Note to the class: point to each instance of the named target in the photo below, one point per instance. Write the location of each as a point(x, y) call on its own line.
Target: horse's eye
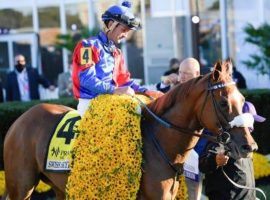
point(224, 104)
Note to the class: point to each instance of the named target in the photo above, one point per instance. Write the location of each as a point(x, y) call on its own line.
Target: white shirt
point(191, 166)
point(23, 82)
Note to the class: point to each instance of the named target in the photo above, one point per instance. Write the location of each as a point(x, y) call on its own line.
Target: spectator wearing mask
point(22, 82)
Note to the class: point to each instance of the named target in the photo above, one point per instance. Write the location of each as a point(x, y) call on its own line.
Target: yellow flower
point(108, 151)
point(182, 193)
point(261, 166)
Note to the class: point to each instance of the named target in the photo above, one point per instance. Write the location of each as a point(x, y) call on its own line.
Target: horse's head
point(222, 104)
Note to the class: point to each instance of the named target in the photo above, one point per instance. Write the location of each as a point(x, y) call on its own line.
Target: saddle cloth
point(59, 151)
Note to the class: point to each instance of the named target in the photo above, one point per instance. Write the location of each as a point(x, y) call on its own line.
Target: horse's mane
point(177, 93)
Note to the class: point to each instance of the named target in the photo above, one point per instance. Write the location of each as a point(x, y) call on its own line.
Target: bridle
point(223, 138)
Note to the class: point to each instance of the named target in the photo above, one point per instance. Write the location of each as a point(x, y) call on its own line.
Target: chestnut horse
point(210, 101)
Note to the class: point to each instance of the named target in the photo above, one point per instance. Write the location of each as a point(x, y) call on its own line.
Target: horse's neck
point(175, 144)
point(182, 116)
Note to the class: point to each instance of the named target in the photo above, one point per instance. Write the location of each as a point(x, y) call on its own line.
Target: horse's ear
point(229, 67)
point(217, 71)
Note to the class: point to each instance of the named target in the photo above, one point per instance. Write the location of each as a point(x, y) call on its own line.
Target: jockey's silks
point(99, 67)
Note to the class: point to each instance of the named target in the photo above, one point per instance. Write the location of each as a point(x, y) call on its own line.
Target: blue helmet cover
point(123, 15)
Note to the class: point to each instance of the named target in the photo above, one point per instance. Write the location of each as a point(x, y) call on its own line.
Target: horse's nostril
point(247, 148)
point(254, 146)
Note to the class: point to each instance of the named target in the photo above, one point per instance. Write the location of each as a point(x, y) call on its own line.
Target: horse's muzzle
point(246, 149)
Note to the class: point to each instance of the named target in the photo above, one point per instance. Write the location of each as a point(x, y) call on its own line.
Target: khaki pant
point(194, 188)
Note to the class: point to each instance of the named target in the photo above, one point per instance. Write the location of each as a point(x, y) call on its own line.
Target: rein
point(242, 186)
point(177, 128)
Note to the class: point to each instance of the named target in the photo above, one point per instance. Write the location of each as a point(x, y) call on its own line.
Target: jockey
point(98, 64)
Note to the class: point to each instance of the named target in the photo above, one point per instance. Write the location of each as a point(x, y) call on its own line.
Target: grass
point(266, 189)
point(263, 184)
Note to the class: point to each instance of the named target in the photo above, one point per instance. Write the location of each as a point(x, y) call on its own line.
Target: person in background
point(1, 92)
point(238, 78)
point(64, 83)
point(98, 64)
point(173, 67)
point(170, 77)
point(22, 82)
point(188, 69)
point(217, 186)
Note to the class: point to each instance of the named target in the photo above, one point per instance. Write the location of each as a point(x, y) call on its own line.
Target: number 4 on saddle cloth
point(59, 153)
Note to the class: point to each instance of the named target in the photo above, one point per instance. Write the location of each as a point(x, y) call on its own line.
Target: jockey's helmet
point(123, 15)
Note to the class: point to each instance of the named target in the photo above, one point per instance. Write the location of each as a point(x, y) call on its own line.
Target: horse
point(171, 126)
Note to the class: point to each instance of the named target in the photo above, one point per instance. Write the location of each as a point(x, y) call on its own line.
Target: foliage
point(215, 5)
point(69, 40)
point(260, 38)
point(13, 19)
point(49, 17)
point(10, 111)
point(261, 166)
point(265, 188)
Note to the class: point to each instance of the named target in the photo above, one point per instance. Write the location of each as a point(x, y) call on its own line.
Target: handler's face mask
point(20, 66)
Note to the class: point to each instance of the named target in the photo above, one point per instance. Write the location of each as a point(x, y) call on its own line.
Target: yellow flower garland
point(2, 182)
point(182, 193)
point(261, 166)
point(108, 151)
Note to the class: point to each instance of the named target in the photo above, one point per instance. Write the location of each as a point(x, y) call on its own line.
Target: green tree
point(68, 41)
point(260, 37)
point(10, 18)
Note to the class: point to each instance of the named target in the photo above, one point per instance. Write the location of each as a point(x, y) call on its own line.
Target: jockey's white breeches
point(83, 105)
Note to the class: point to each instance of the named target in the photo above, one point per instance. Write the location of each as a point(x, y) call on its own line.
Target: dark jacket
point(164, 90)
point(170, 71)
point(239, 79)
point(217, 187)
point(12, 87)
point(1, 92)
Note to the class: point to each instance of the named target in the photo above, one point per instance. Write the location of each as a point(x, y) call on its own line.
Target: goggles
point(133, 23)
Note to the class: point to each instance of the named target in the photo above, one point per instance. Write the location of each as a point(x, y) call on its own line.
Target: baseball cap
point(249, 108)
